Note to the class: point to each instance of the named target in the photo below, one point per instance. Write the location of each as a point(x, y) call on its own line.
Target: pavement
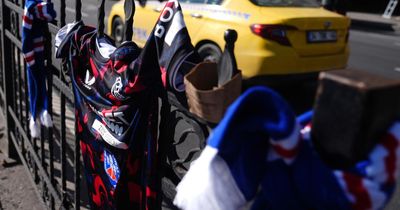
point(374, 22)
point(16, 189)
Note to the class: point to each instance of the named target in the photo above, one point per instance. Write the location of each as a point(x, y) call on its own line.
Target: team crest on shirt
point(117, 88)
point(111, 168)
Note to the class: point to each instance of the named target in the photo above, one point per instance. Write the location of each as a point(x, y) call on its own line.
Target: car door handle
point(157, 9)
point(196, 15)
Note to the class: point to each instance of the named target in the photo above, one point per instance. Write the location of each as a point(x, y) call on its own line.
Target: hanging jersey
point(175, 51)
point(115, 93)
point(114, 102)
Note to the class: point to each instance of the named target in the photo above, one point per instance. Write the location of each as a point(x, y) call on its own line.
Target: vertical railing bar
point(25, 82)
point(50, 110)
point(62, 13)
point(14, 51)
point(26, 99)
point(14, 94)
point(18, 109)
point(78, 10)
point(63, 119)
point(20, 73)
point(62, 107)
point(63, 142)
point(42, 159)
point(7, 85)
point(63, 148)
point(21, 94)
point(78, 17)
point(15, 79)
point(100, 19)
point(49, 77)
point(21, 98)
point(77, 172)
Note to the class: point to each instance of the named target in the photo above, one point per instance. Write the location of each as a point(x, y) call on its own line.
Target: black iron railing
point(53, 160)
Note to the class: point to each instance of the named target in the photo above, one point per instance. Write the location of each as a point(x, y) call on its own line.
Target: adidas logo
point(89, 81)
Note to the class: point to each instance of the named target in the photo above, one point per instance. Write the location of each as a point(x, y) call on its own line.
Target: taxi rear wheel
point(209, 52)
point(117, 30)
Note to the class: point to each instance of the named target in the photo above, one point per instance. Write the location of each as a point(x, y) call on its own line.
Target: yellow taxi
point(275, 37)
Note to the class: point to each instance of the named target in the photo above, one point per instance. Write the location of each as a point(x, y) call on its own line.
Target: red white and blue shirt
point(116, 105)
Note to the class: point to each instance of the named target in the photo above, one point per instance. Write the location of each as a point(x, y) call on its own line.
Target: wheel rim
point(208, 53)
point(211, 58)
point(118, 32)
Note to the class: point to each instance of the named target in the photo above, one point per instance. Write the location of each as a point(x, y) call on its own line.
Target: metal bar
point(2, 96)
point(43, 158)
point(62, 13)
point(50, 110)
point(63, 145)
point(26, 96)
point(14, 7)
point(19, 89)
point(36, 159)
point(53, 28)
point(78, 8)
point(13, 39)
point(64, 89)
point(9, 150)
point(77, 173)
point(100, 19)
point(13, 79)
point(63, 157)
point(129, 7)
point(42, 150)
point(78, 17)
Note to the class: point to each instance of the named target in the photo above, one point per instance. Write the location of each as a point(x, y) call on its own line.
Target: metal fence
point(51, 158)
point(53, 161)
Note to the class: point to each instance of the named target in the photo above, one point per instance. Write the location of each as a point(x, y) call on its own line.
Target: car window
point(286, 3)
point(214, 1)
point(195, 1)
point(199, 1)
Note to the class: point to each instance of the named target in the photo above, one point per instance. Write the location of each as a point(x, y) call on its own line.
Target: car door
point(145, 19)
point(193, 11)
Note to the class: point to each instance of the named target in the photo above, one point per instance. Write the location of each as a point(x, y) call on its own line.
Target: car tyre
point(209, 52)
point(117, 30)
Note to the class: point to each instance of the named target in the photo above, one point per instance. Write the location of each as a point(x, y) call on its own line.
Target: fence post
point(6, 145)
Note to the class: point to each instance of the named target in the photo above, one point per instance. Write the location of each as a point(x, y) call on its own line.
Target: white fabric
point(45, 119)
point(34, 128)
point(177, 24)
point(62, 33)
point(105, 48)
point(107, 136)
point(378, 198)
point(209, 185)
point(377, 170)
point(291, 141)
